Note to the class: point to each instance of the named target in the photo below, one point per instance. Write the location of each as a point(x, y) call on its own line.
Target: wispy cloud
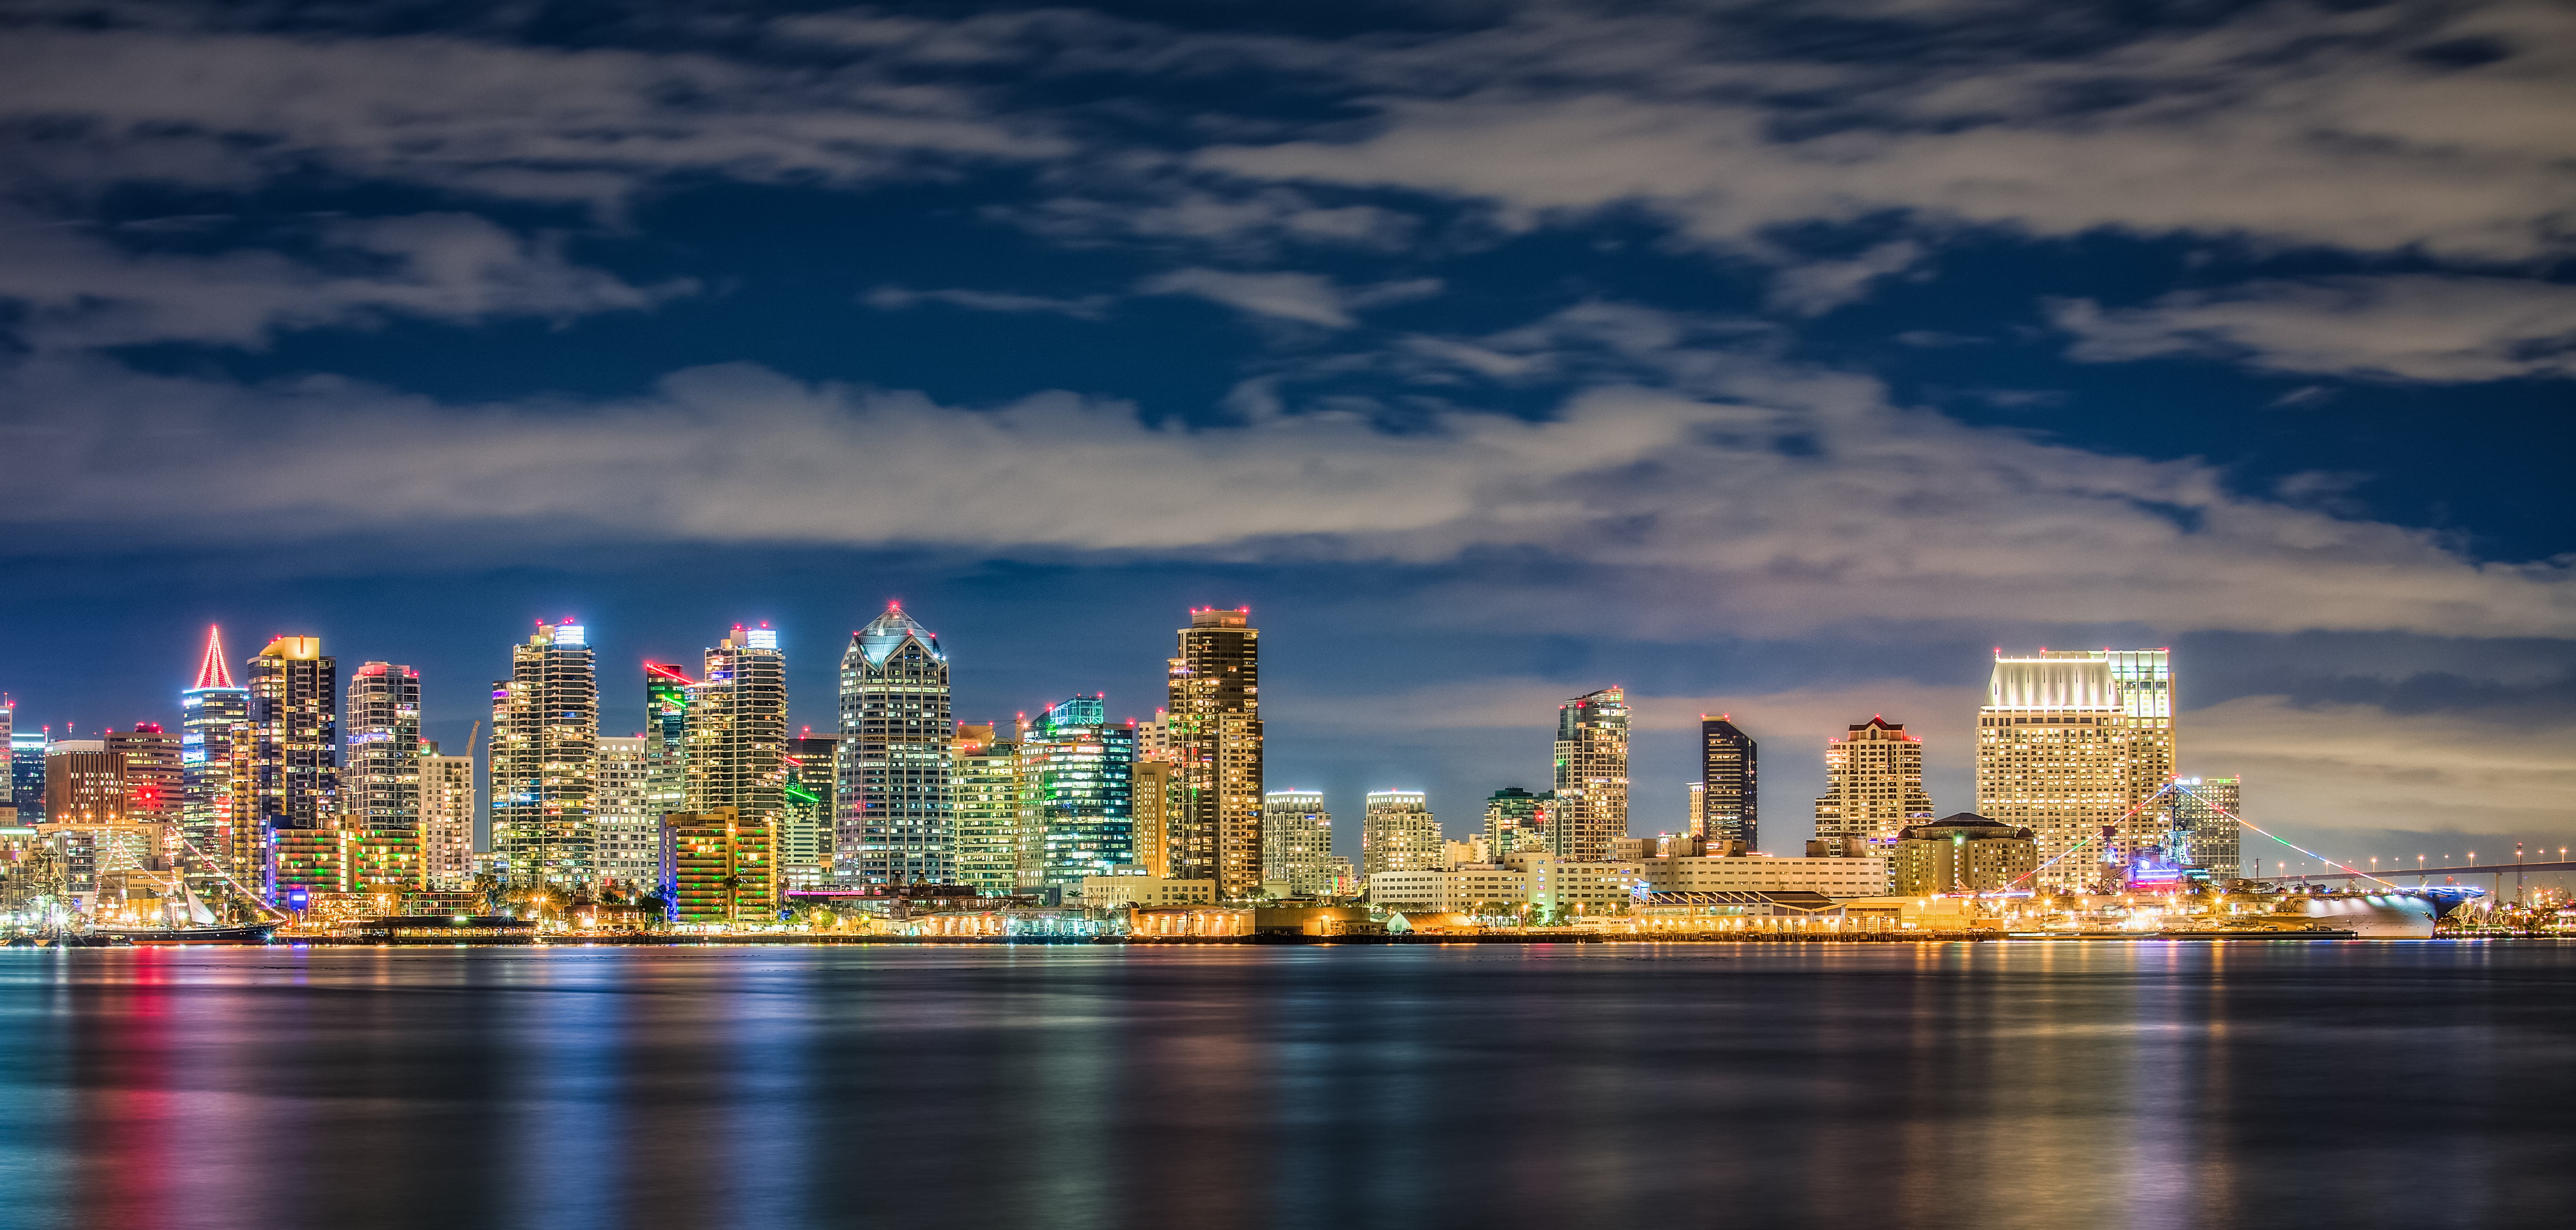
point(897, 298)
point(2425, 327)
point(1303, 297)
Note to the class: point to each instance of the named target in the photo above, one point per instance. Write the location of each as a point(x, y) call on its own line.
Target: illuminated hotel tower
point(1727, 805)
point(897, 824)
point(214, 716)
point(545, 759)
point(1591, 807)
point(1214, 728)
point(666, 729)
point(2053, 757)
point(380, 774)
point(735, 736)
point(1873, 787)
point(294, 777)
point(1399, 833)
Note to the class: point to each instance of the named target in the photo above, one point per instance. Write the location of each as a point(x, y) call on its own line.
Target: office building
point(718, 869)
point(1399, 833)
point(84, 784)
point(214, 719)
point(1214, 722)
point(1297, 844)
point(1962, 853)
point(1727, 806)
point(1873, 787)
point(1077, 792)
point(27, 772)
point(294, 734)
point(666, 729)
point(380, 773)
point(446, 819)
point(2146, 684)
point(805, 825)
point(626, 831)
point(156, 787)
point(2205, 831)
point(8, 774)
point(2053, 757)
point(1591, 776)
point(545, 760)
point(1516, 820)
point(986, 795)
point(897, 822)
point(1145, 892)
point(1160, 815)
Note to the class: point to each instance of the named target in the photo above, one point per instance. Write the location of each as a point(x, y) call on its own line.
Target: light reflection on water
point(1996, 1085)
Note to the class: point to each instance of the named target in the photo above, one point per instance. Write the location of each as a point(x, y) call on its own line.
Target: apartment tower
point(380, 772)
point(1873, 788)
point(735, 735)
point(1591, 776)
point(446, 819)
point(292, 778)
point(1399, 833)
point(987, 802)
point(1297, 843)
point(545, 760)
point(1213, 723)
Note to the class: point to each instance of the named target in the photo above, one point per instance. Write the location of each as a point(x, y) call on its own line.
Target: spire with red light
point(212, 673)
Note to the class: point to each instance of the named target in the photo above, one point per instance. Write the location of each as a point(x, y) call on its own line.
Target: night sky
point(1780, 359)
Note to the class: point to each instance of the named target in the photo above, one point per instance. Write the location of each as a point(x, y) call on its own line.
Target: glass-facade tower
point(1729, 800)
point(214, 716)
point(1077, 792)
point(896, 822)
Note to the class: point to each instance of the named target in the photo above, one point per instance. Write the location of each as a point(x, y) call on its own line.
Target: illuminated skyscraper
point(1077, 791)
point(1297, 843)
point(666, 729)
point(1214, 728)
point(446, 819)
point(1591, 776)
point(736, 732)
point(897, 823)
point(1729, 801)
point(1873, 786)
point(1399, 833)
point(214, 717)
point(27, 772)
point(294, 761)
point(1159, 813)
point(2053, 757)
point(380, 775)
point(805, 826)
point(628, 831)
point(987, 800)
point(545, 760)
point(8, 776)
point(155, 784)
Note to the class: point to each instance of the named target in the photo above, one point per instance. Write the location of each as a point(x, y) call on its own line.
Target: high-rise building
point(2053, 757)
point(1399, 833)
point(1728, 805)
point(446, 819)
point(666, 728)
point(8, 777)
point(380, 774)
point(805, 825)
point(545, 760)
point(1297, 843)
point(1159, 813)
point(1591, 776)
point(2147, 708)
point(2205, 832)
point(27, 772)
point(214, 717)
point(84, 784)
point(1214, 728)
point(155, 779)
point(897, 823)
point(1077, 792)
point(987, 800)
point(736, 736)
point(1873, 787)
point(627, 832)
point(1516, 820)
point(295, 733)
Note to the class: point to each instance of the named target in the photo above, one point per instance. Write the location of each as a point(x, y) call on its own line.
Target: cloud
point(74, 290)
point(1815, 289)
point(2428, 327)
point(897, 298)
point(2285, 124)
point(2357, 767)
point(1303, 297)
point(1772, 497)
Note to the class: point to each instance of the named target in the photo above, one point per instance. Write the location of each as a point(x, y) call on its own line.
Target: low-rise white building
point(1763, 873)
point(1121, 892)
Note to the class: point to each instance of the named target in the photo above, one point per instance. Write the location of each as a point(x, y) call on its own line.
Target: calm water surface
point(1991, 1085)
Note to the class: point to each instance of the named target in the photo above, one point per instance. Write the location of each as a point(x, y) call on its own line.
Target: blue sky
point(1776, 359)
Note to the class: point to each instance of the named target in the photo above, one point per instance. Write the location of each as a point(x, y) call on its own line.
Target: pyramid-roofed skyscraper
point(897, 823)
